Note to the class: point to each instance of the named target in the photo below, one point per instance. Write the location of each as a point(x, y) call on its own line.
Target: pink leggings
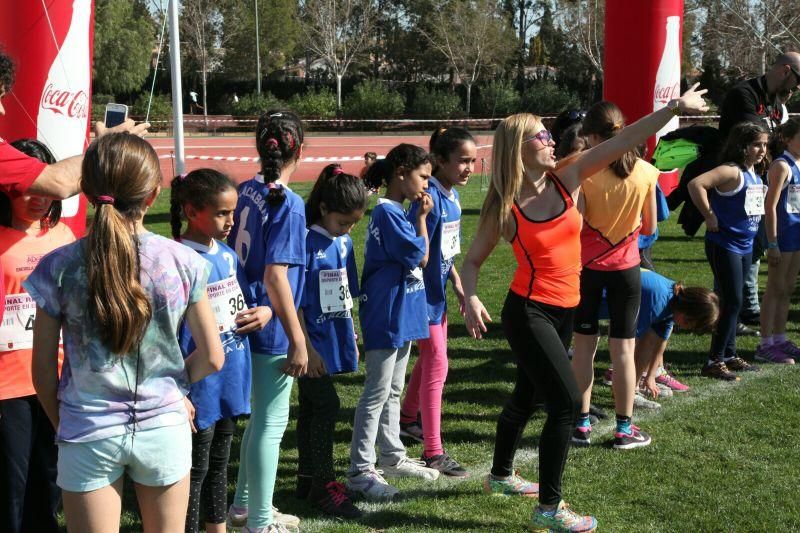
point(424, 392)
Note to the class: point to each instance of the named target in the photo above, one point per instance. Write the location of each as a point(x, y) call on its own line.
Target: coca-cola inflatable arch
point(50, 42)
point(642, 61)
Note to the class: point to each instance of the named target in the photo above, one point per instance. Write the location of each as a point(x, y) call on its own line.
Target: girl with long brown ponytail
point(119, 296)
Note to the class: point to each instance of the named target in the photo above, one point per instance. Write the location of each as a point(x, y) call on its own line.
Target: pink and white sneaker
point(668, 380)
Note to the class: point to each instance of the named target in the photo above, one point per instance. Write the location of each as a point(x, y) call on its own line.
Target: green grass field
point(725, 456)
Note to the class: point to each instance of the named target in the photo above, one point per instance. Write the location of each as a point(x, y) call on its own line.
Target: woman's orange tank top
point(548, 254)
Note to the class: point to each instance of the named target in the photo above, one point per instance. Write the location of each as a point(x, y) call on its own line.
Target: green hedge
point(545, 97)
point(497, 98)
point(160, 109)
point(314, 104)
point(255, 104)
point(436, 103)
point(374, 99)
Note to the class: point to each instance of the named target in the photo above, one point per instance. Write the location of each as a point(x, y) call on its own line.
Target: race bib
point(451, 239)
point(754, 200)
point(793, 199)
point(334, 291)
point(227, 301)
point(16, 330)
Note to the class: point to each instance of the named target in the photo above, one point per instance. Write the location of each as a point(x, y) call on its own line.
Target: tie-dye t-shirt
point(97, 390)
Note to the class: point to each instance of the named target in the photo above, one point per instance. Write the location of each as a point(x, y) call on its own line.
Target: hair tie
point(272, 185)
point(337, 171)
point(274, 115)
point(617, 126)
point(182, 177)
point(104, 199)
point(272, 143)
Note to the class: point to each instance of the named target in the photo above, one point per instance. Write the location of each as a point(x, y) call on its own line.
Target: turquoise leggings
point(258, 459)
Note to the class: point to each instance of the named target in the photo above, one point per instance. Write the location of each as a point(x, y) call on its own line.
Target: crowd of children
point(165, 343)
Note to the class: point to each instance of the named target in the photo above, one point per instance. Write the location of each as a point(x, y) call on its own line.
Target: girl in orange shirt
point(29, 229)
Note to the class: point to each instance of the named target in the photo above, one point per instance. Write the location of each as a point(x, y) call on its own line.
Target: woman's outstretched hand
point(476, 317)
point(692, 100)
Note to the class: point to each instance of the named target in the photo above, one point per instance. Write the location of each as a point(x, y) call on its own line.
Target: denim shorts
point(154, 457)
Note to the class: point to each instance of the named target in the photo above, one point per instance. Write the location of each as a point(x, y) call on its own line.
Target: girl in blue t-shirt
point(337, 202)
point(782, 212)
point(393, 313)
point(269, 236)
point(731, 199)
point(206, 199)
point(455, 153)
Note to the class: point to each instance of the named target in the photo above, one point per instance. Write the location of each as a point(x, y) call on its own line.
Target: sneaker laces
point(517, 481)
point(567, 516)
point(336, 492)
point(410, 461)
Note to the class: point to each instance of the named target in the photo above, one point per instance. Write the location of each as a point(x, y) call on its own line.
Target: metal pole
point(258, 53)
point(177, 90)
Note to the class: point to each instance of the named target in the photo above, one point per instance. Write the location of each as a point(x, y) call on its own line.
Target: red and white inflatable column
point(51, 44)
point(642, 60)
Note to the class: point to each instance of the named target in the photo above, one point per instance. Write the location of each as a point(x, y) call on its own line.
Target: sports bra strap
point(563, 190)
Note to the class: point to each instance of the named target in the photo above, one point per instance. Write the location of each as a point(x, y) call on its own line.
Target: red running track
point(317, 152)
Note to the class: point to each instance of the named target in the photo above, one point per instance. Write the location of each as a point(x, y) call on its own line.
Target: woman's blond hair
point(507, 169)
point(119, 172)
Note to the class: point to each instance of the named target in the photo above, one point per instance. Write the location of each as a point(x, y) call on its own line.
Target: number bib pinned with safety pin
point(793, 199)
point(451, 239)
point(334, 291)
point(227, 301)
point(16, 329)
point(754, 200)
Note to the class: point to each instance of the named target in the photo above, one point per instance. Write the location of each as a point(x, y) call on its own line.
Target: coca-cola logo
point(665, 93)
point(71, 104)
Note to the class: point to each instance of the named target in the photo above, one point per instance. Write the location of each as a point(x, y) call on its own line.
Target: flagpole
point(177, 90)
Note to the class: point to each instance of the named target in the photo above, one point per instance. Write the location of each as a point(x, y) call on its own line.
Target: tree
point(201, 28)
point(279, 34)
point(336, 31)
point(470, 34)
point(124, 38)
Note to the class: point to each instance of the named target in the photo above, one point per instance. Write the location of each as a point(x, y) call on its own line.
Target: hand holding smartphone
point(116, 114)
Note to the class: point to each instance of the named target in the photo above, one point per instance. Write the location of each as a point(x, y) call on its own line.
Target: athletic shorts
point(623, 292)
point(154, 457)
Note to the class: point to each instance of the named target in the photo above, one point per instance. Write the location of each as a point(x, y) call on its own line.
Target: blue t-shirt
point(444, 233)
point(654, 311)
point(226, 393)
point(788, 209)
point(393, 309)
point(737, 229)
point(269, 235)
point(331, 288)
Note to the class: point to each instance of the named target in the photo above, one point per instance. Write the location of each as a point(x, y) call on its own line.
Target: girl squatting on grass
point(531, 204)
point(269, 237)
point(782, 212)
point(29, 229)
point(619, 203)
point(207, 199)
point(119, 296)
point(393, 313)
point(731, 199)
point(455, 152)
point(336, 203)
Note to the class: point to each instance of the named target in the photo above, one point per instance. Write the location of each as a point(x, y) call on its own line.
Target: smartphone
point(116, 114)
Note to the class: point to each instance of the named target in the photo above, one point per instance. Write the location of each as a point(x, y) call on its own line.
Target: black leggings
point(539, 335)
point(729, 270)
point(316, 421)
point(208, 487)
point(623, 292)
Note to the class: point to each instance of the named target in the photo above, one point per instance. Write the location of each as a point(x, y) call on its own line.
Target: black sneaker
point(412, 430)
point(635, 439)
point(753, 319)
point(303, 487)
point(582, 436)
point(744, 331)
point(718, 370)
point(737, 364)
point(445, 464)
point(596, 411)
point(332, 500)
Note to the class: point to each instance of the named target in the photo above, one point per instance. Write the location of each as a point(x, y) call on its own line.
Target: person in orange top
point(531, 204)
point(29, 229)
point(619, 203)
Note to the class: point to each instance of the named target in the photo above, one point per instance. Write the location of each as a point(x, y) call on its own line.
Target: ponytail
point(605, 120)
point(698, 305)
point(279, 138)
point(119, 172)
point(340, 192)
